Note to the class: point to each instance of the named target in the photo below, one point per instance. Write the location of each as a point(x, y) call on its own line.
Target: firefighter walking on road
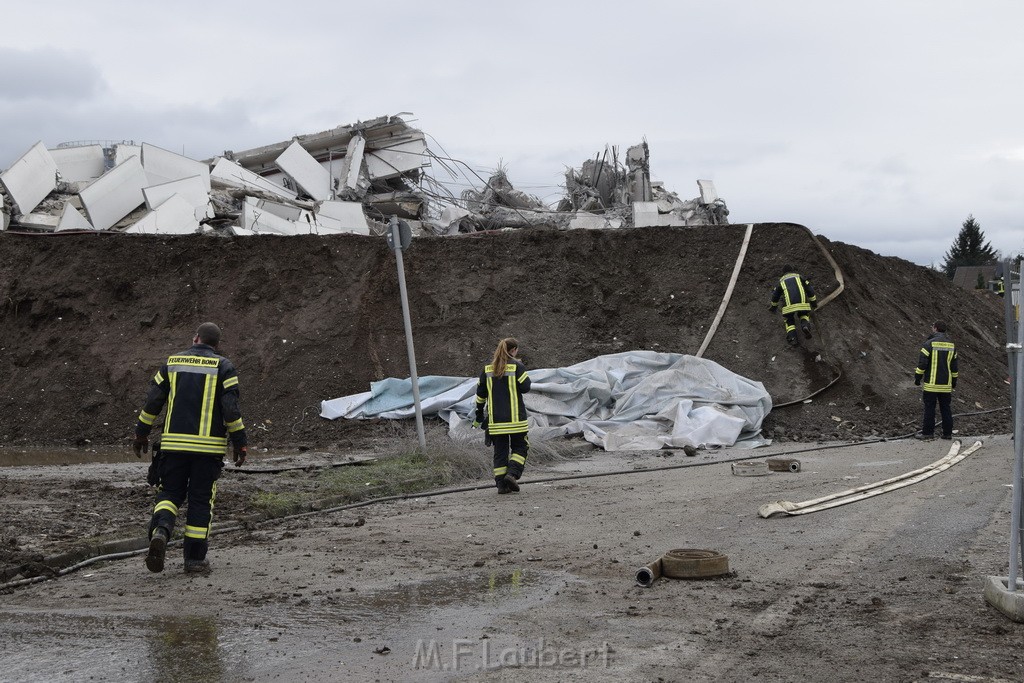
point(937, 367)
point(501, 388)
point(200, 389)
point(797, 297)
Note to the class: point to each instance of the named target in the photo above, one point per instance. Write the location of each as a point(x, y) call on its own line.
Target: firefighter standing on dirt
point(798, 300)
point(501, 387)
point(200, 389)
point(937, 365)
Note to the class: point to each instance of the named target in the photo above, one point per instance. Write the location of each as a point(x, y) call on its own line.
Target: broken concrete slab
point(175, 216)
point(647, 215)
point(30, 178)
point(163, 166)
point(257, 218)
point(708, 193)
point(80, 164)
point(589, 221)
point(301, 167)
point(39, 221)
point(72, 219)
point(191, 189)
point(396, 157)
point(227, 173)
point(123, 151)
point(115, 194)
point(349, 182)
point(342, 217)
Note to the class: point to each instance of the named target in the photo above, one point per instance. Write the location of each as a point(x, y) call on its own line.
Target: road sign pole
point(396, 245)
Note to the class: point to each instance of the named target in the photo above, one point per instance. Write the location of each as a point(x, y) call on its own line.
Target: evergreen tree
point(968, 249)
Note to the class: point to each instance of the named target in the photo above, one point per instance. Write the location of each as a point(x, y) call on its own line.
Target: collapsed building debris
point(352, 179)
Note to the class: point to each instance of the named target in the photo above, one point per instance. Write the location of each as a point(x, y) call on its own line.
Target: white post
point(408, 335)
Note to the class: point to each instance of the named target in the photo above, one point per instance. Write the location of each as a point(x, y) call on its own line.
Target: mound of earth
point(87, 320)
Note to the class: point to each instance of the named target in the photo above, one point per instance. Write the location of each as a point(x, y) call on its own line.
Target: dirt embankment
point(86, 320)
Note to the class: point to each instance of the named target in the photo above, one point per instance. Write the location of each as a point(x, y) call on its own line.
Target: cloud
point(49, 76)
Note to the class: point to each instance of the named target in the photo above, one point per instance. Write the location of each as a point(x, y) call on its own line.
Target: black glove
point(917, 380)
point(140, 445)
point(771, 308)
point(814, 305)
point(954, 382)
point(240, 453)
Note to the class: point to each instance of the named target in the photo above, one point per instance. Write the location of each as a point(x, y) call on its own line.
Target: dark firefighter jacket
point(200, 389)
point(504, 398)
point(937, 364)
point(796, 294)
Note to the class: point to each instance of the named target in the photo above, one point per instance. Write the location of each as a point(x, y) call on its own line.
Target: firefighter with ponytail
point(500, 389)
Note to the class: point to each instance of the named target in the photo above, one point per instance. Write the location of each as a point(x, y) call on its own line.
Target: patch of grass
point(278, 504)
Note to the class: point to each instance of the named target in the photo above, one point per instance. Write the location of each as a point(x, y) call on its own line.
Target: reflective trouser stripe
point(166, 505)
point(196, 531)
point(515, 457)
point(500, 471)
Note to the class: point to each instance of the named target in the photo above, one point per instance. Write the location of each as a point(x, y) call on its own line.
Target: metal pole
point(1017, 350)
point(1008, 317)
point(408, 335)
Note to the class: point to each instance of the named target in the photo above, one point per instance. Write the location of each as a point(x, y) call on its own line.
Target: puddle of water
point(332, 639)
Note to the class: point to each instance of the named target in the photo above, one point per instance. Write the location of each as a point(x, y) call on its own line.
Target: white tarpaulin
point(635, 400)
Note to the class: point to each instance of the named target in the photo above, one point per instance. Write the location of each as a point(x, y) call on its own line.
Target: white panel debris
point(259, 220)
point(163, 166)
point(122, 152)
point(191, 189)
point(115, 194)
point(79, 164)
point(175, 216)
point(394, 159)
point(306, 171)
point(30, 178)
point(72, 219)
point(227, 172)
point(342, 217)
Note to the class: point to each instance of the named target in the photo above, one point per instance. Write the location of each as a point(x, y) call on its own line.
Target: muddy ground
point(539, 585)
point(86, 320)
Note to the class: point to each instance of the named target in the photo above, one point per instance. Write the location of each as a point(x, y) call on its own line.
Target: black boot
point(157, 550)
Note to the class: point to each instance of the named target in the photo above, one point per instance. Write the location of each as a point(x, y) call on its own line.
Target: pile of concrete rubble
point(350, 179)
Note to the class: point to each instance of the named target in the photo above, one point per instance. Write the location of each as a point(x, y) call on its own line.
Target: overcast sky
point(879, 123)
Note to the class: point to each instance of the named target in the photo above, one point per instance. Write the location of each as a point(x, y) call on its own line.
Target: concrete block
point(286, 211)
point(390, 160)
point(163, 166)
point(175, 216)
point(1010, 603)
point(122, 152)
point(306, 171)
point(115, 194)
point(342, 217)
point(30, 178)
point(72, 219)
point(227, 172)
point(79, 164)
point(191, 189)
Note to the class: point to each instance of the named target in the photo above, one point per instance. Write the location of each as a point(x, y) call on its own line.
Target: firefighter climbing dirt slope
point(798, 300)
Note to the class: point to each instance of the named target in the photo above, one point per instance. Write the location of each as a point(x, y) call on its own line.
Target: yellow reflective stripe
point(521, 459)
point(523, 378)
point(158, 378)
point(508, 427)
point(176, 436)
point(166, 505)
point(201, 361)
point(512, 396)
point(235, 426)
point(173, 378)
point(500, 471)
point(918, 371)
point(206, 416)
point(230, 382)
point(926, 351)
point(938, 388)
point(196, 531)
point(146, 418)
point(480, 399)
